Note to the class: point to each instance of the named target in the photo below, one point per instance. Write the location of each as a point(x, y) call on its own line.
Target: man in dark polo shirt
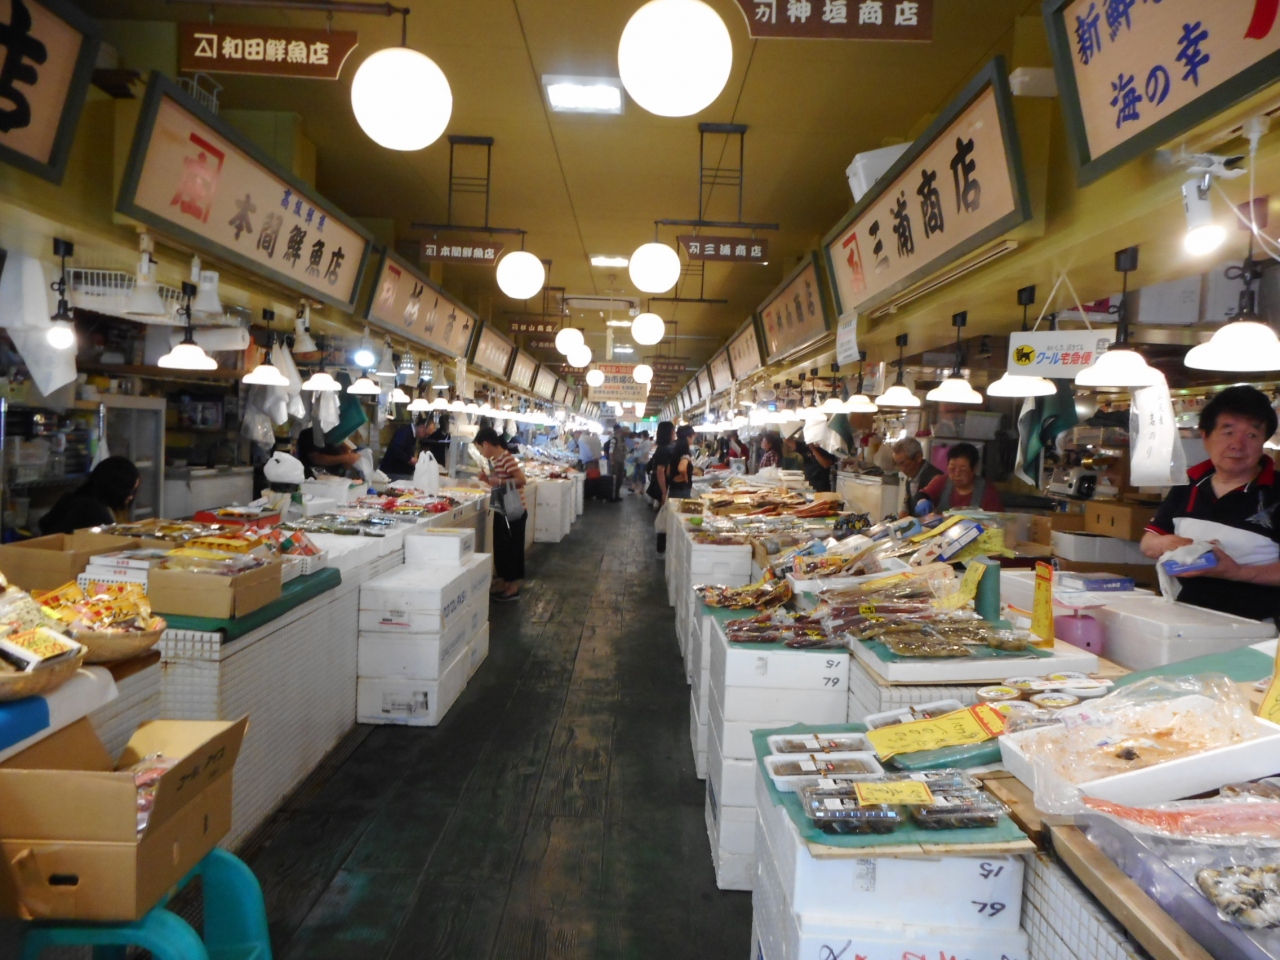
point(1231, 502)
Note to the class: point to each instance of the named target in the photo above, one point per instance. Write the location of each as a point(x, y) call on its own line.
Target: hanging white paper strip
point(1157, 456)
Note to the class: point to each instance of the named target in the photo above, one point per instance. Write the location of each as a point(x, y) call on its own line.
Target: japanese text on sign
point(733, 249)
point(407, 302)
point(1056, 354)
point(273, 51)
point(466, 253)
point(976, 724)
point(795, 316)
point(721, 374)
point(544, 385)
point(958, 188)
point(493, 352)
point(522, 327)
point(840, 19)
point(522, 371)
point(619, 384)
point(1129, 66)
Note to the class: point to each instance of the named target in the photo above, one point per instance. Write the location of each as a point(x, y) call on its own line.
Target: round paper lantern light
point(643, 373)
point(648, 329)
point(568, 339)
point(654, 268)
point(521, 275)
point(675, 56)
point(579, 356)
point(595, 378)
point(401, 99)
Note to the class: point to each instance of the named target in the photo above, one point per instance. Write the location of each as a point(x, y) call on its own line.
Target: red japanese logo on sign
point(199, 182)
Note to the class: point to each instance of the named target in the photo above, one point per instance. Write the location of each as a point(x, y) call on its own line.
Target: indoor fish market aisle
point(554, 812)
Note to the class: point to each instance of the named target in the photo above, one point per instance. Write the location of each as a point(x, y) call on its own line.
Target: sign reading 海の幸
point(960, 186)
point(795, 315)
point(840, 19)
point(49, 52)
point(405, 301)
point(492, 352)
point(1133, 76)
point(619, 385)
point(1056, 354)
point(269, 51)
point(193, 177)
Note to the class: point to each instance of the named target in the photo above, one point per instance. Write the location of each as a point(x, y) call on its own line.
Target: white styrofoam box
point(735, 833)
point(1065, 658)
point(764, 705)
point(337, 489)
point(866, 696)
point(887, 889)
point(734, 871)
point(757, 948)
point(419, 656)
point(1064, 922)
point(414, 703)
point(479, 650)
point(733, 779)
point(350, 555)
point(547, 533)
point(436, 545)
point(736, 735)
point(1171, 780)
point(822, 670)
point(422, 599)
point(314, 506)
point(1018, 588)
point(1097, 548)
point(863, 172)
point(1145, 632)
point(723, 569)
point(699, 738)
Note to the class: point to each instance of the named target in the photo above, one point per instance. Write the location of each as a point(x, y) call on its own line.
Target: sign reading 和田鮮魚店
point(958, 187)
point(619, 385)
point(1133, 76)
point(196, 179)
point(267, 51)
point(1056, 354)
point(840, 19)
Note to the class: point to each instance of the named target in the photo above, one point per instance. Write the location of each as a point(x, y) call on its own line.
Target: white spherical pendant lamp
point(579, 356)
point(595, 378)
point(648, 329)
point(654, 268)
point(401, 99)
point(643, 373)
point(568, 339)
point(521, 275)
point(675, 56)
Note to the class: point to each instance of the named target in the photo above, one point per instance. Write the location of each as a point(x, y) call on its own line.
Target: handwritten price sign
point(907, 792)
point(977, 724)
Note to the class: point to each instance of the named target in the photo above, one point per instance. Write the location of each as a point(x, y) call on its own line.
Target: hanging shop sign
point(721, 371)
point(726, 249)
point(744, 350)
point(666, 366)
point(523, 327)
point(541, 344)
point(619, 385)
point(847, 338)
point(1133, 76)
point(840, 19)
point(49, 52)
point(561, 391)
point(703, 381)
point(1056, 354)
point(261, 50)
point(544, 384)
point(522, 371)
point(467, 253)
point(492, 352)
point(960, 186)
point(405, 301)
point(192, 176)
point(795, 315)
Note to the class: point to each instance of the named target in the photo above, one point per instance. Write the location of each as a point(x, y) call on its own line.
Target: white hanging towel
point(1157, 458)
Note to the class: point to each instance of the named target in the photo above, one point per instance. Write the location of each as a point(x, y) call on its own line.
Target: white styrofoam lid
point(1156, 616)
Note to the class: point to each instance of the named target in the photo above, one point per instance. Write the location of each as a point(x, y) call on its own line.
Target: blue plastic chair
point(235, 922)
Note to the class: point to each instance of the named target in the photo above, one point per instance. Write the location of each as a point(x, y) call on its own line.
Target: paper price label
point(968, 588)
point(1042, 605)
point(927, 534)
point(1270, 707)
point(976, 724)
point(907, 792)
point(867, 609)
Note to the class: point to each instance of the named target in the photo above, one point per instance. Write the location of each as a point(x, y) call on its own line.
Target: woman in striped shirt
point(508, 535)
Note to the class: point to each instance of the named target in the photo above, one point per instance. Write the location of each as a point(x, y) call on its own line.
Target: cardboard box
point(1144, 575)
point(48, 562)
point(1128, 521)
point(69, 833)
point(1040, 528)
point(209, 595)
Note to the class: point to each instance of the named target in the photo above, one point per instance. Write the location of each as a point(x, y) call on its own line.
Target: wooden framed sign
point(795, 315)
point(492, 352)
point(744, 350)
point(522, 370)
point(544, 382)
point(721, 371)
point(405, 301)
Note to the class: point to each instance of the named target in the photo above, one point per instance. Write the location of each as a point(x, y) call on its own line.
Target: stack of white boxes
point(554, 511)
point(424, 629)
point(887, 908)
point(753, 689)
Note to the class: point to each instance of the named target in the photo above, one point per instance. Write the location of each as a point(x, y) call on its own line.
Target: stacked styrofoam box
point(755, 689)
point(810, 908)
point(579, 492)
point(1064, 921)
point(424, 629)
point(866, 696)
point(351, 556)
point(555, 511)
point(1097, 548)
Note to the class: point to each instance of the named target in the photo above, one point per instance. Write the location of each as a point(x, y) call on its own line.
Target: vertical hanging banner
point(795, 315)
point(193, 177)
point(847, 339)
point(265, 51)
point(744, 351)
point(1157, 458)
point(909, 20)
point(958, 187)
point(405, 301)
point(1132, 76)
point(49, 51)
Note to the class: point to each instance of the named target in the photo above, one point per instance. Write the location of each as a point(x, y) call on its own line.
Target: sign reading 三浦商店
point(405, 301)
point(522, 371)
point(544, 384)
point(960, 186)
point(1132, 76)
point(1056, 354)
point(487, 253)
point(744, 351)
point(268, 51)
point(795, 315)
point(193, 177)
point(492, 352)
point(840, 19)
point(49, 52)
point(721, 371)
point(619, 385)
point(847, 338)
point(726, 249)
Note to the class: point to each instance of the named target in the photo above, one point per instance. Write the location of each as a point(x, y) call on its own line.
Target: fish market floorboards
point(554, 813)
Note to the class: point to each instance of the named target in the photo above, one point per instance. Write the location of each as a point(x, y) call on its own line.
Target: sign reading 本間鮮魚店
point(744, 350)
point(619, 385)
point(262, 50)
point(726, 249)
point(522, 371)
point(492, 352)
point(721, 372)
point(1134, 75)
point(840, 19)
point(192, 177)
point(1056, 354)
point(795, 315)
point(49, 52)
point(405, 301)
point(486, 253)
point(544, 384)
point(958, 187)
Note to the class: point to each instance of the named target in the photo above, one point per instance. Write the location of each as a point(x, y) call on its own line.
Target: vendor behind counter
point(1230, 504)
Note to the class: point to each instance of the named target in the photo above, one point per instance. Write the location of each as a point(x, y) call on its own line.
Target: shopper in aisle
point(660, 462)
point(508, 529)
point(962, 487)
point(733, 449)
point(770, 451)
point(680, 485)
point(815, 462)
point(618, 460)
point(401, 457)
point(101, 499)
point(914, 473)
point(642, 452)
point(1231, 503)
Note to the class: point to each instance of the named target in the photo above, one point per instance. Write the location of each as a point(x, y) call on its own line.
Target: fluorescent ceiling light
point(568, 94)
point(602, 261)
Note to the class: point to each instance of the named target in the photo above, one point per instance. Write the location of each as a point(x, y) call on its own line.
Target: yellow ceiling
point(584, 185)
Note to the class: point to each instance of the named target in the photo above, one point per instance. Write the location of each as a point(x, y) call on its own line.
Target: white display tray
point(1065, 658)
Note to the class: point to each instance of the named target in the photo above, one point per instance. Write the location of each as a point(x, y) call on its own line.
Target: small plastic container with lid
point(843, 815)
point(959, 811)
point(818, 743)
point(792, 770)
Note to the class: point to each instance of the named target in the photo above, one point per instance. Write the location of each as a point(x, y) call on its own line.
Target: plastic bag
point(1222, 819)
point(364, 464)
point(255, 426)
point(426, 473)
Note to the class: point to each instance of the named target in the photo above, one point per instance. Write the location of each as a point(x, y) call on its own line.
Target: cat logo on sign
point(1023, 355)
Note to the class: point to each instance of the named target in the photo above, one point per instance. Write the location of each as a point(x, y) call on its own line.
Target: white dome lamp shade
point(419, 405)
point(955, 389)
point(674, 57)
point(187, 355)
point(61, 333)
point(898, 396)
point(400, 98)
point(654, 268)
point(521, 275)
point(648, 329)
point(1121, 365)
point(568, 339)
point(364, 357)
point(1010, 385)
point(595, 378)
point(1244, 343)
point(860, 402)
point(322, 382)
point(643, 373)
point(399, 396)
point(364, 387)
point(1203, 234)
point(579, 356)
point(266, 374)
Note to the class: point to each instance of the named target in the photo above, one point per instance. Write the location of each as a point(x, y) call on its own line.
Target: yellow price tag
point(974, 725)
point(867, 609)
point(968, 588)
point(1270, 708)
point(1042, 604)
point(907, 792)
point(933, 532)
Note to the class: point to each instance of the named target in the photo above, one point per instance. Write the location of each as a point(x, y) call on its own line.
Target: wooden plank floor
point(554, 813)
